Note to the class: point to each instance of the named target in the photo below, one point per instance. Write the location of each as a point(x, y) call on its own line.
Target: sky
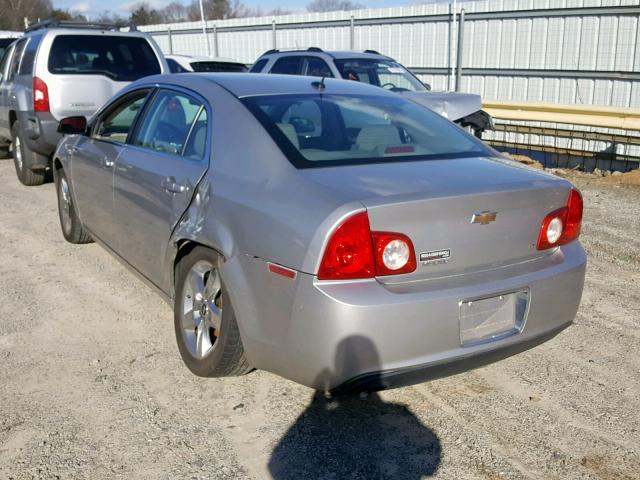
point(94, 7)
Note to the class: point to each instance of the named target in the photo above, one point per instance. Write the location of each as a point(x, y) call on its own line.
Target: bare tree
point(174, 12)
point(15, 11)
point(143, 14)
point(332, 5)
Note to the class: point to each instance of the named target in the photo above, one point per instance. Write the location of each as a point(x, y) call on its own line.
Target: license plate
point(494, 317)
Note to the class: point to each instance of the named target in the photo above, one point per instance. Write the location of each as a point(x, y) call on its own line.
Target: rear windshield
point(217, 67)
point(316, 130)
point(122, 59)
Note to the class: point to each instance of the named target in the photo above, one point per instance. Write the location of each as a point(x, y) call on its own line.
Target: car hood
point(450, 105)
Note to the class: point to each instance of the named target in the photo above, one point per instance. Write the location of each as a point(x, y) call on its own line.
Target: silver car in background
point(373, 68)
point(330, 232)
point(60, 68)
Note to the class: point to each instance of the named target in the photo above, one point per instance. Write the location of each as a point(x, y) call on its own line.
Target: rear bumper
point(40, 131)
point(363, 334)
point(383, 380)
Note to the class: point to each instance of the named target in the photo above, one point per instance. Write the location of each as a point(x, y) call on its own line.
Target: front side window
point(3, 64)
point(168, 122)
point(316, 130)
point(122, 59)
point(381, 73)
point(116, 124)
point(316, 67)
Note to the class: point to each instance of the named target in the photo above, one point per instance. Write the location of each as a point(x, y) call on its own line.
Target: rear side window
point(29, 57)
point(122, 59)
point(15, 59)
point(258, 66)
point(287, 65)
point(168, 122)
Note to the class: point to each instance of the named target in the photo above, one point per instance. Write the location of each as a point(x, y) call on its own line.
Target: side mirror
point(73, 126)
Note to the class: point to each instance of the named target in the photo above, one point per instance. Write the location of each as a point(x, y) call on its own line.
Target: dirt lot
point(92, 386)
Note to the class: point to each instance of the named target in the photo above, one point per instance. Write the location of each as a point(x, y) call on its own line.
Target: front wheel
point(206, 329)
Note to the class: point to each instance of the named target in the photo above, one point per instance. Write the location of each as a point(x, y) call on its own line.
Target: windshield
point(218, 67)
point(122, 59)
point(381, 73)
point(326, 130)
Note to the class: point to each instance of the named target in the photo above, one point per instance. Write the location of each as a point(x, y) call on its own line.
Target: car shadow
point(355, 435)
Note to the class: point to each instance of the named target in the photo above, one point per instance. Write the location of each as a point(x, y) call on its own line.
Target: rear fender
point(198, 227)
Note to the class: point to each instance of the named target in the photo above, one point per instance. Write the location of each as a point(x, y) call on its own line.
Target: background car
point(59, 69)
point(373, 68)
point(188, 63)
point(334, 214)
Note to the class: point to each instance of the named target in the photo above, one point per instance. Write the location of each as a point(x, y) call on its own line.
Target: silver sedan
point(328, 231)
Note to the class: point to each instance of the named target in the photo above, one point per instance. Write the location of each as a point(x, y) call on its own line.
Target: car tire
point(206, 329)
point(22, 159)
point(70, 223)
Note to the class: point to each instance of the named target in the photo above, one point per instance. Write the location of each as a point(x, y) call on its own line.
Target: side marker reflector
point(285, 272)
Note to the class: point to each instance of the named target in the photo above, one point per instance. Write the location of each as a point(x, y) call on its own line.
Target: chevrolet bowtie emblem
point(484, 218)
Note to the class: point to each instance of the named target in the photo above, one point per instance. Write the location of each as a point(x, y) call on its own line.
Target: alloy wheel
point(64, 197)
point(201, 312)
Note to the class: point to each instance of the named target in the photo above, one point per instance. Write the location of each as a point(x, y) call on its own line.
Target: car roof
point(85, 31)
point(203, 58)
point(336, 54)
point(343, 54)
point(256, 84)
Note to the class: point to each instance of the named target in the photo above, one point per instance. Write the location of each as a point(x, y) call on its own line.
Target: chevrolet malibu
point(328, 231)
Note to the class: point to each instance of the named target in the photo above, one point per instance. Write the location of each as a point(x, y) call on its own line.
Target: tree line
point(14, 12)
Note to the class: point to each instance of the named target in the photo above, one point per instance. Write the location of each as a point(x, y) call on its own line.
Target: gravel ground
point(92, 385)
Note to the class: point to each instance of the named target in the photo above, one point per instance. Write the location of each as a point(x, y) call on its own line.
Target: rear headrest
point(377, 135)
point(290, 133)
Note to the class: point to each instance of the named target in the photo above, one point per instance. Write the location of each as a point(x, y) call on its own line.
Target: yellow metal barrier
point(595, 116)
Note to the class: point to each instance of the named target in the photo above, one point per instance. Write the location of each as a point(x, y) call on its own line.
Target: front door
point(93, 163)
point(156, 176)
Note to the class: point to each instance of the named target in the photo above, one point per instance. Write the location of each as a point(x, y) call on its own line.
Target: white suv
point(62, 69)
point(371, 67)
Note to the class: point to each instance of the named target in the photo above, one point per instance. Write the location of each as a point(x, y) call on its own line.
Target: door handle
point(171, 186)
point(107, 162)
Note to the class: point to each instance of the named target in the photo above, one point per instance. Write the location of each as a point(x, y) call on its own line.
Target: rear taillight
point(562, 226)
point(394, 253)
point(354, 252)
point(40, 95)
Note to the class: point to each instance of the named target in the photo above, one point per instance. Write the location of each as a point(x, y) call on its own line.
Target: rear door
point(156, 176)
point(83, 71)
point(93, 162)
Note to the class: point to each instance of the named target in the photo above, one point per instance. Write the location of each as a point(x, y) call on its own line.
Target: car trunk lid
point(463, 215)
